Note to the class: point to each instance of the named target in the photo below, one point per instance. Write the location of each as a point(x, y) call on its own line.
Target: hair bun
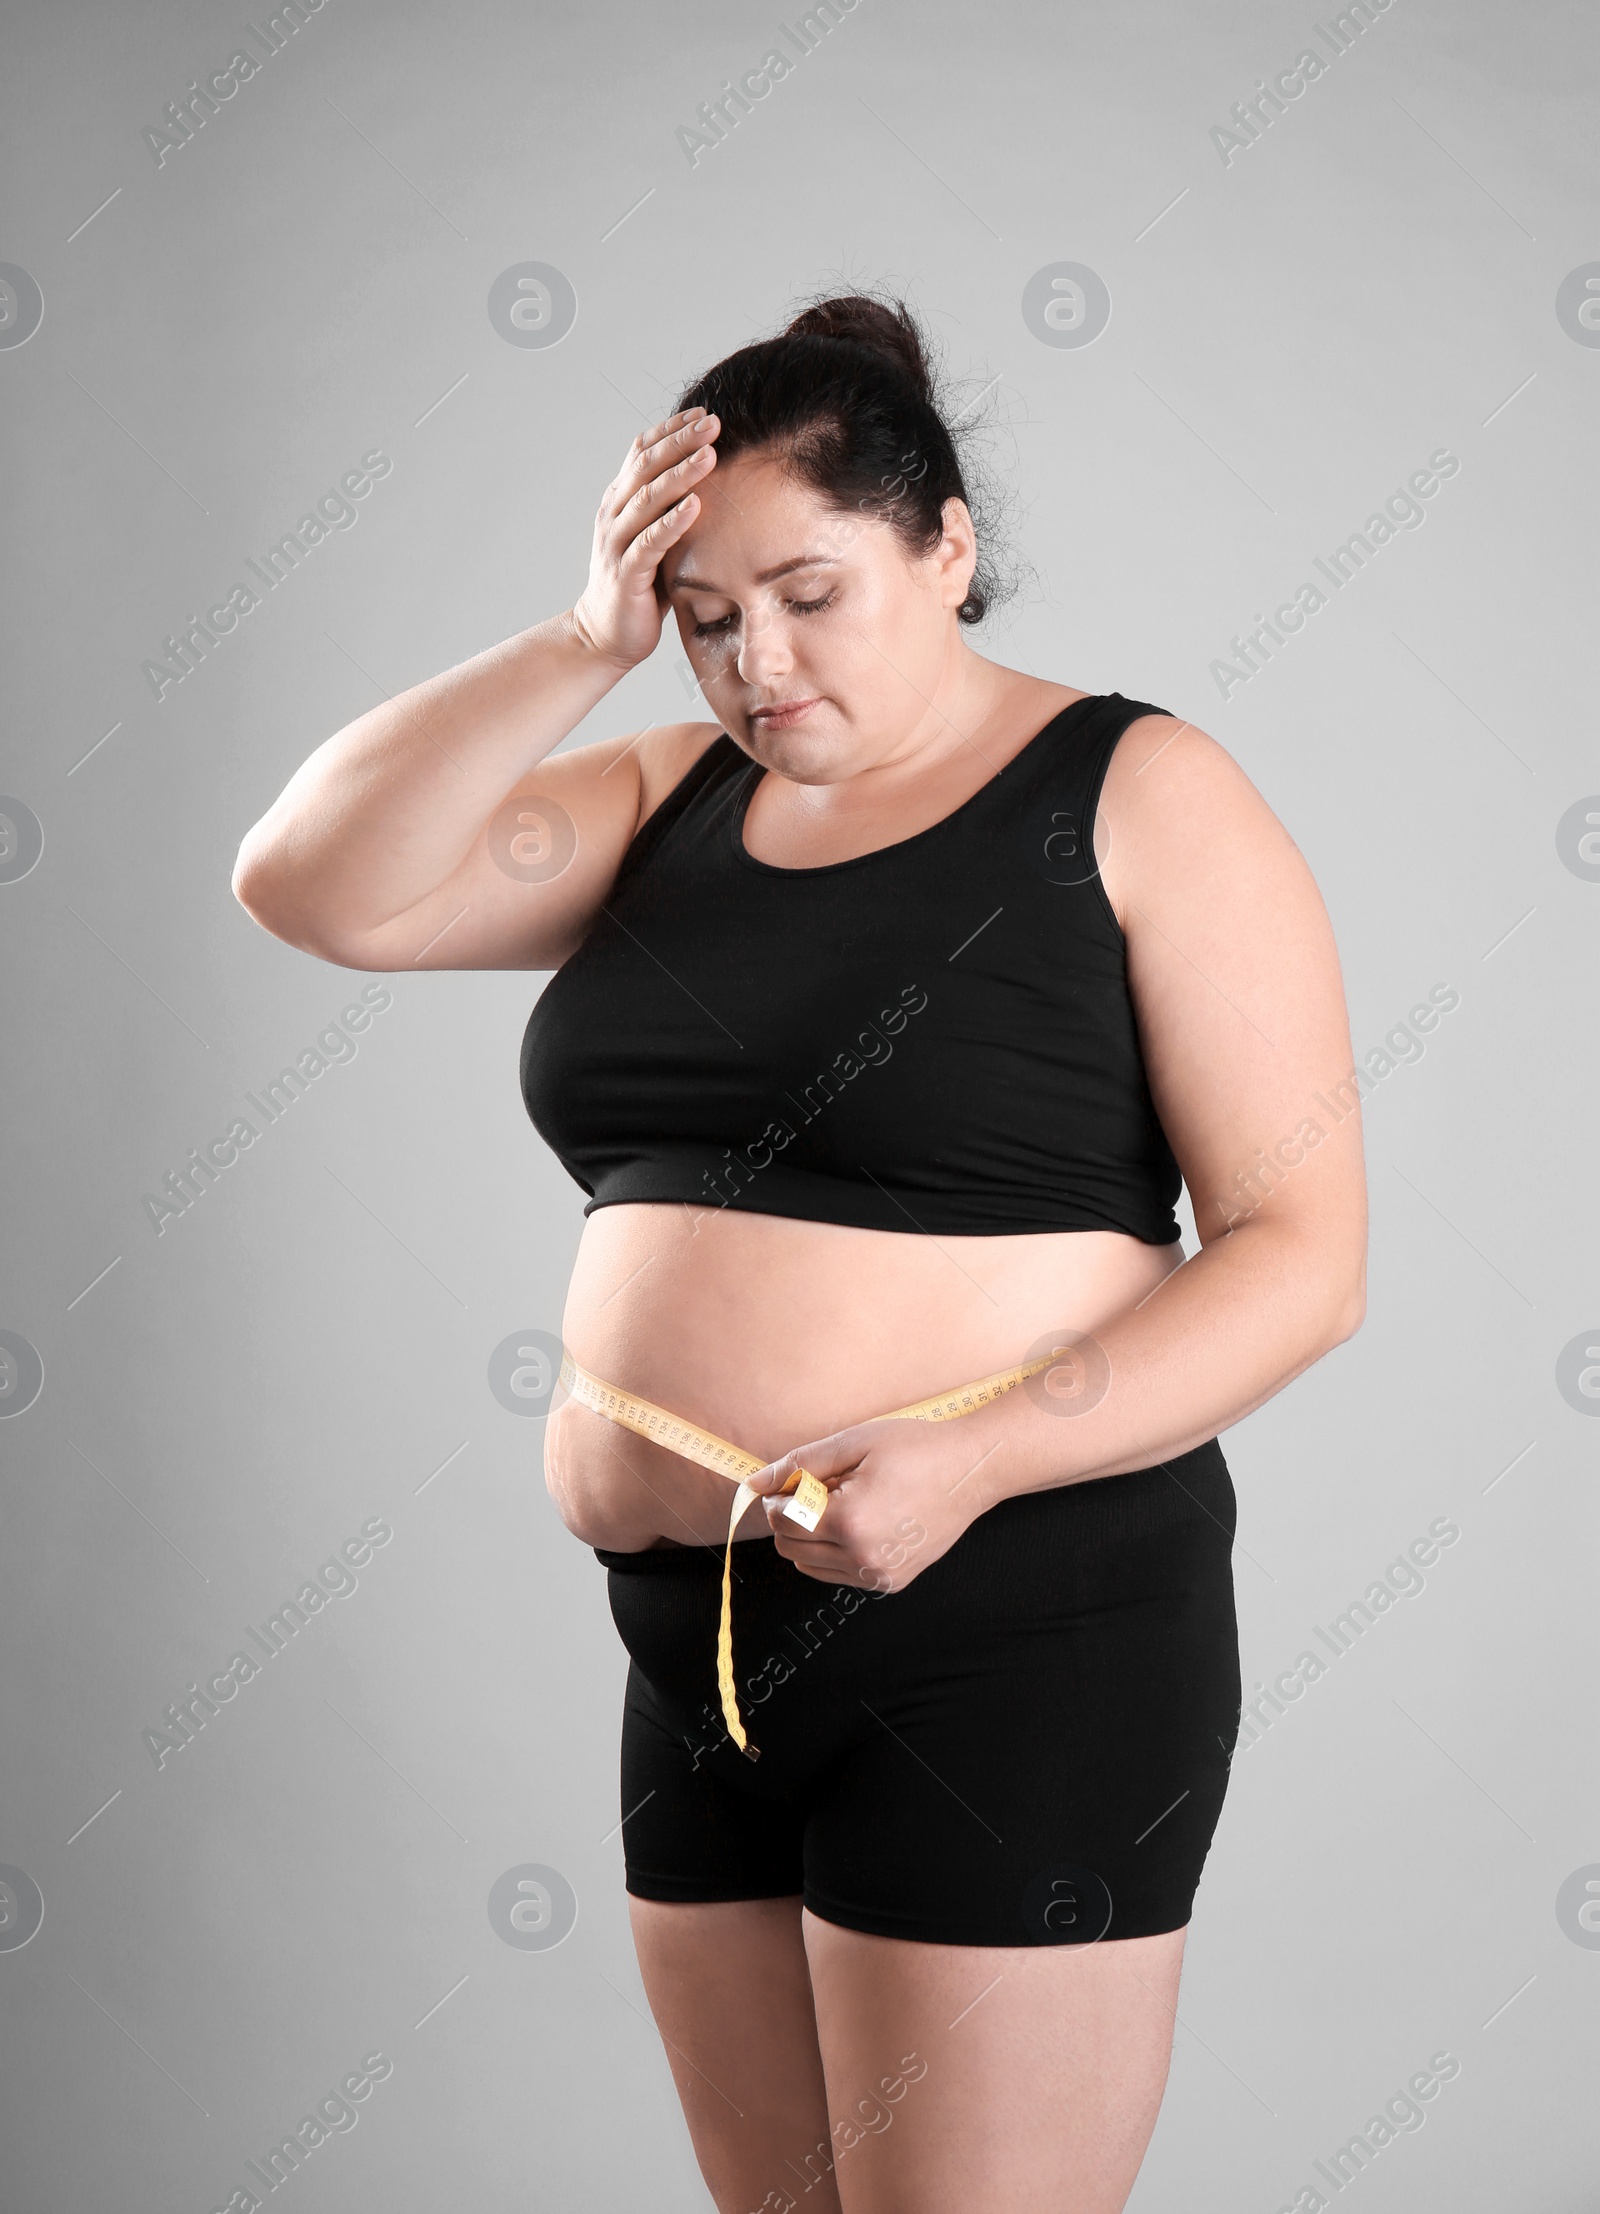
point(849, 399)
point(882, 329)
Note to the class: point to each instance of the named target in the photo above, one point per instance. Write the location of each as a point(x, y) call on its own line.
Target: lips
point(782, 713)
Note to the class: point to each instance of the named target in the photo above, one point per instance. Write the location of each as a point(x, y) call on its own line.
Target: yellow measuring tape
point(808, 1495)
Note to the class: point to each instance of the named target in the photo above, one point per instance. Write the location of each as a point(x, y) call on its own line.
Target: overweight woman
point(889, 1009)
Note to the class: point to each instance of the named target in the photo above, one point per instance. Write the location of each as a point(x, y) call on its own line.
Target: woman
point(889, 1007)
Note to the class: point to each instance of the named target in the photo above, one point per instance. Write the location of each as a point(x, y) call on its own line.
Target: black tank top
point(933, 1037)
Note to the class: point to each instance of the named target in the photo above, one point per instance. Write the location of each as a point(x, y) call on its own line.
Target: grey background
point(308, 1881)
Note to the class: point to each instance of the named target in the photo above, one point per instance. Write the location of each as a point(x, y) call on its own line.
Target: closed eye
point(724, 623)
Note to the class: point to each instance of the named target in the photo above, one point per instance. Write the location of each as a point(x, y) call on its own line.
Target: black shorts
point(1029, 1744)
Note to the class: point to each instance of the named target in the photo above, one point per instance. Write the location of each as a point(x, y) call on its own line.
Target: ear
point(956, 556)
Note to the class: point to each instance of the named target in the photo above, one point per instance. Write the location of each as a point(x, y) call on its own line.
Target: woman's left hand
point(899, 1495)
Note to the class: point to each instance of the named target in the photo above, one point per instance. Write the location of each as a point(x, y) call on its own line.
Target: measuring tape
point(808, 1495)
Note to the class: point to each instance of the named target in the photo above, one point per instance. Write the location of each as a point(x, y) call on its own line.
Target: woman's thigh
point(970, 2079)
point(730, 1987)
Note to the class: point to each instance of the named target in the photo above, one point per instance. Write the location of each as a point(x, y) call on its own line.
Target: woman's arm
point(1235, 980)
point(388, 848)
point(1236, 985)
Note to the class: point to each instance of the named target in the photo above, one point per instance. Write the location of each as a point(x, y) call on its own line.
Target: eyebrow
point(763, 576)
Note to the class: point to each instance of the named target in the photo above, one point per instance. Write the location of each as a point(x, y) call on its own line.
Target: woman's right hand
point(644, 510)
point(394, 845)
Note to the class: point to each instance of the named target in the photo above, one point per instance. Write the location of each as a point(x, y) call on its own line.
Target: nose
point(764, 655)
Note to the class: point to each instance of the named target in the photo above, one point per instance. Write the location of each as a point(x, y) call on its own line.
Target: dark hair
point(848, 398)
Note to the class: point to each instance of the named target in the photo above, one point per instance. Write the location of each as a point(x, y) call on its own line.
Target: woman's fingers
point(830, 1460)
point(675, 438)
point(642, 556)
point(664, 487)
point(673, 422)
point(642, 512)
point(663, 451)
point(635, 464)
point(643, 440)
point(830, 1563)
point(660, 492)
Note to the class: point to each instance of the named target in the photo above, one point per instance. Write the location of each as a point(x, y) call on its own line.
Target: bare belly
point(772, 1332)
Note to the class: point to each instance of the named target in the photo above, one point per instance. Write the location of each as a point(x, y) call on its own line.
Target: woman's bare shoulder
point(666, 754)
point(1163, 769)
point(628, 775)
point(1176, 809)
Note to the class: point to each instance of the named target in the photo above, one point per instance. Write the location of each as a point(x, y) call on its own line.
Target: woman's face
point(818, 642)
